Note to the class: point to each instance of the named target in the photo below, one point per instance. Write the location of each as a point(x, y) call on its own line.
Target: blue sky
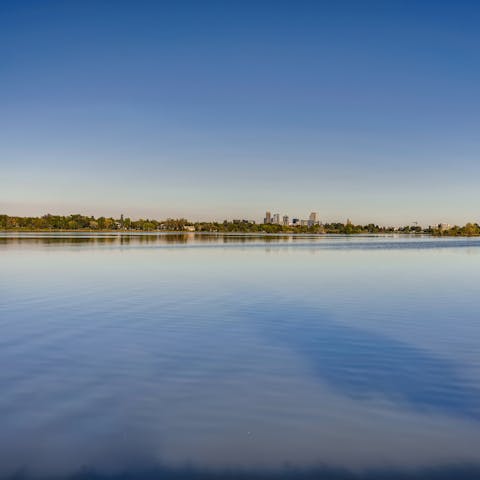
point(223, 109)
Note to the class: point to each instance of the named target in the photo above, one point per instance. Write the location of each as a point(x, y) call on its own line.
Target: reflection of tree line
point(143, 239)
point(98, 240)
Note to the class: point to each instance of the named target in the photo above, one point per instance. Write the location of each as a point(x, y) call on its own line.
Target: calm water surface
point(199, 356)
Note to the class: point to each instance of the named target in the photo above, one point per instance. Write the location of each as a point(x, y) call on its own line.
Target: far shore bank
point(233, 232)
point(91, 224)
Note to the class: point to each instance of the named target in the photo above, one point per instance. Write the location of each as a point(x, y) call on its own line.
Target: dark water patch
point(361, 363)
point(447, 472)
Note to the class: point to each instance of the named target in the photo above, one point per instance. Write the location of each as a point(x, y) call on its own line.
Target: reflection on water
point(136, 356)
point(363, 241)
point(361, 363)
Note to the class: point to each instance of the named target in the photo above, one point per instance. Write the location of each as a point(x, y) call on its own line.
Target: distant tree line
point(248, 227)
point(89, 223)
point(468, 230)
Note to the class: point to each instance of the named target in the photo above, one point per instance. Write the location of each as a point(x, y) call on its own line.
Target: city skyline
point(119, 221)
point(284, 219)
point(368, 110)
point(278, 218)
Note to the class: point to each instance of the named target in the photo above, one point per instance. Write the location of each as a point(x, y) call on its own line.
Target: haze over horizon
point(212, 110)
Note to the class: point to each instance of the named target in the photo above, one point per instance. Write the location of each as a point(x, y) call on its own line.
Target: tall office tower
point(268, 218)
point(313, 219)
point(276, 219)
point(285, 220)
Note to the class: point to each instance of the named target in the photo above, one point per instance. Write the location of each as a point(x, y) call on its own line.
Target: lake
point(239, 356)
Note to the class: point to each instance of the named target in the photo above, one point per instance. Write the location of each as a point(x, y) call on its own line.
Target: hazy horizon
point(208, 110)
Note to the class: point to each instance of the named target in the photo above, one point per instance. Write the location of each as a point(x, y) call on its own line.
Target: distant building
point(268, 218)
point(313, 219)
point(295, 221)
point(349, 222)
point(304, 223)
point(285, 220)
point(276, 219)
point(189, 228)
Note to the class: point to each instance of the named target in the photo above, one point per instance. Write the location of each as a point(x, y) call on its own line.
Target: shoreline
point(230, 233)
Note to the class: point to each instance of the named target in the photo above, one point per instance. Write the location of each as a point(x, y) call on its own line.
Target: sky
point(368, 110)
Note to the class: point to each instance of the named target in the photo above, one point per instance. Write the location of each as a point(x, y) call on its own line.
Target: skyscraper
point(285, 220)
point(276, 219)
point(313, 219)
point(268, 218)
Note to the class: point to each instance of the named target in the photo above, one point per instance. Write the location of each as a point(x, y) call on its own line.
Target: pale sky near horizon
point(224, 109)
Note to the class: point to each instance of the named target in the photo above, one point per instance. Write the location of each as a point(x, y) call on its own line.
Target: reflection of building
point(276, 219)
point(268, 217)
point(285, 220)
